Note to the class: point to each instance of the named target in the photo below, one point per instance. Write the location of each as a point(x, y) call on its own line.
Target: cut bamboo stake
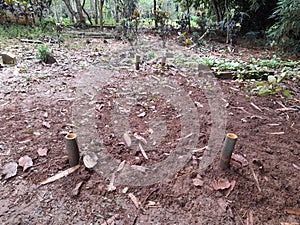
point(229, 144)
point(163, 61)
point(137, 62)
point(73, 150)
point(59, 175)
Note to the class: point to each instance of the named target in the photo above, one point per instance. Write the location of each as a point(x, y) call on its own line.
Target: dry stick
point(229, 144)
point(255, 178)
point(137, 62)
point(73, 150)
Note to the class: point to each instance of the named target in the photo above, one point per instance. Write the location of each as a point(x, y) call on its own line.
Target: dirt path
point(170, 113)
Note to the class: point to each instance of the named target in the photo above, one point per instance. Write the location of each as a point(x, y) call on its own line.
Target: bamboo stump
point(229, 144)
point(72, 148)
point(137, 62)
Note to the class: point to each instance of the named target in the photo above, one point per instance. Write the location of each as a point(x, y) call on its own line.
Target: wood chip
point(127, 139)
point(135, 200)
point(59, 175)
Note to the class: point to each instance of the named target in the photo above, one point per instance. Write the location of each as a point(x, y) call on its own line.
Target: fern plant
point(286, 30)
point(42, 53)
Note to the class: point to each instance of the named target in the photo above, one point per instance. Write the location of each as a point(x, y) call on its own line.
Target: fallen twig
point(256, 107)
point(286, 109)
point(255, 178)
point(135, 200)
point(142, 204)
point(275, 133)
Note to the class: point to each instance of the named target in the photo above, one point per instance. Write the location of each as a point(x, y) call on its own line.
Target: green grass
point(21, 31)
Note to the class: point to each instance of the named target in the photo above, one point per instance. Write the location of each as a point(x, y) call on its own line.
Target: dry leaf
point(127, 139)
point(10, 170)
point(293, 211)
point(121, 166)
point(140, 138)
point(239, 158)
point(232, 184)
point(141, 114)
point(221, 184)
point(42, 151)
point(46, 124)
point(90, 160)
point(59, 175)
point(25, 162)
point(198, 182)
point(135, 200)
point(143, 151)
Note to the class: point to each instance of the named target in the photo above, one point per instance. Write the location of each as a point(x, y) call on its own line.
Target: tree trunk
point(155, 13)
point(188, 14)
point(218, 10)
point(69, 7)
point(86, 13)
point(101, 14)
point(117, 17)
point(96, 12)
point(81, 18)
